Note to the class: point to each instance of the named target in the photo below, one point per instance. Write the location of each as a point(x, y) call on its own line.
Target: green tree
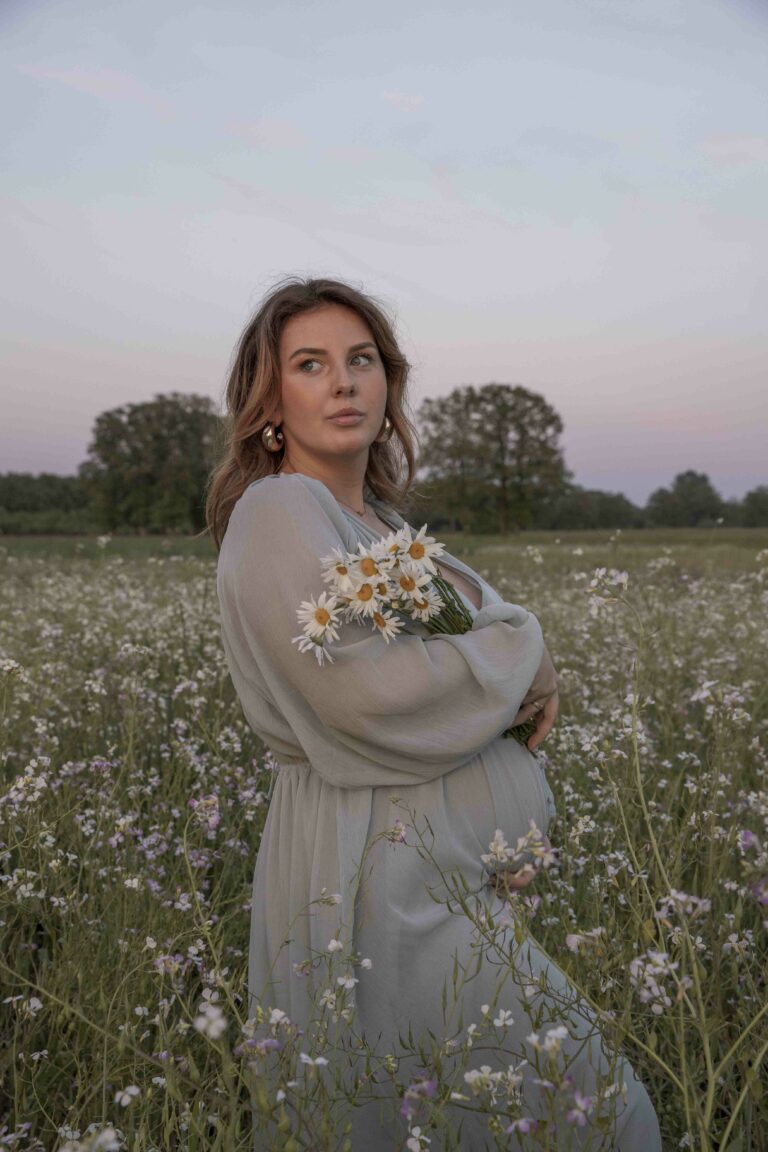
point(43, 503)
point(690, 502)
point(579, 507)
point(491, 456)
point(148, 463)
point(733, 513)
point(755, 507)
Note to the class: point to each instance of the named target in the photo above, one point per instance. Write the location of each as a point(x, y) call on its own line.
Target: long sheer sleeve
point(402, 712)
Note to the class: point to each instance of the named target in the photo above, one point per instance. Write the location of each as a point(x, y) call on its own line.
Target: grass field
point(133, 795)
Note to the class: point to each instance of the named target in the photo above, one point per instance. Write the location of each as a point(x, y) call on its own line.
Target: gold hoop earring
point(386, 433)
point(272, 438)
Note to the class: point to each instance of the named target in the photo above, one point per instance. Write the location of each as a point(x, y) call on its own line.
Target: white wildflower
point(211, 1021)
point(124, 1096)
point(417, 1140)
point(347, 981)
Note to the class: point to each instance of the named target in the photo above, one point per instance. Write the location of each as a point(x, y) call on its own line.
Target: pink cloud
point(105, 84)
point(353, 153)
point(269, 132)
point(730, 148)
point(405, 101)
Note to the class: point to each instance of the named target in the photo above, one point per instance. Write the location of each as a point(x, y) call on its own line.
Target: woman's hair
point(253, 392)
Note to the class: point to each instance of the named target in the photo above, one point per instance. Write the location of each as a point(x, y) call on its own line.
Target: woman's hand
point(545, 719)
point(545, 684)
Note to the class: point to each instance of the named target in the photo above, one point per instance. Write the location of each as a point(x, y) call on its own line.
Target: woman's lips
point(346, 419)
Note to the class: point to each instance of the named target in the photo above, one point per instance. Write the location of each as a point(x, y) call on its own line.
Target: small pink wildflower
point(759, 889)
point(206, 810)
point(415, 1094)
point(582, 1106)
point(396, 834)
point(525, 1125)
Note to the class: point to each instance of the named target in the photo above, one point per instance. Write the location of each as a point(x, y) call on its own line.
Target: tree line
point(490, 462)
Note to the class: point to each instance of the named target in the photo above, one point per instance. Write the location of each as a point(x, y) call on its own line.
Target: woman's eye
point(364, 355)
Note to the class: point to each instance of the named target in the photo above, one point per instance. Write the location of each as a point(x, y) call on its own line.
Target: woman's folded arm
point(422, 705)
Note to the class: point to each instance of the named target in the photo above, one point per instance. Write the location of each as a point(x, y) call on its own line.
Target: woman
point(319, 441)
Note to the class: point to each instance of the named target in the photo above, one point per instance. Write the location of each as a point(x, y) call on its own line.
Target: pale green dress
point(420, 719)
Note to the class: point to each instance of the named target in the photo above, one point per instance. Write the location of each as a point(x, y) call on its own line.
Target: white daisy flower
point(410, 580)
point(381, 550)
point(307, 644)
point(421, 548)
point(387, 623)
point(336, 571)
point(396, 544)
point(370, 563)
point(380, 582)
point(363, 601)
point(427, 604)
point(385, 590)
point(320, 616)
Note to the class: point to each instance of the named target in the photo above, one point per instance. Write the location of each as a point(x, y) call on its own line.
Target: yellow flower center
point(381, 589)
point(420, 604)
point(417, 550)
point(379, 620)
point(408, 583)
point(342, 569)
point(368, 567)
point(322, 616)
point(364, 592)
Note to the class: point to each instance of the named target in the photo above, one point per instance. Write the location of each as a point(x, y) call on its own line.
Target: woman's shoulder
point(266, 486)
point(290, 491)
point(275, 506)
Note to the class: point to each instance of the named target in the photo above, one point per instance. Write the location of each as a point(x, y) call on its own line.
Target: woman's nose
point(344, 383)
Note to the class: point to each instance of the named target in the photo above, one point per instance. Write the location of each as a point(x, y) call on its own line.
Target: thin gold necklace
point(361, 514)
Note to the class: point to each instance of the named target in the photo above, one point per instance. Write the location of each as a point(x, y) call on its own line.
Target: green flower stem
point(454, 615)
point(454, 620)
point(68, 1006)
point(701, 1020)
point(487, 932)
point(756, 1064)
point(522, 732)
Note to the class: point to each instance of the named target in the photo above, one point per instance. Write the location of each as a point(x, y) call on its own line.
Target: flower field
point(133, 794)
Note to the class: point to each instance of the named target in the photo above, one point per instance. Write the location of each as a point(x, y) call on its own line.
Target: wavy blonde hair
point(253, 392)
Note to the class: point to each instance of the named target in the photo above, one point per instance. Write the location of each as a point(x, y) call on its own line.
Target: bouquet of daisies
point(394, 577)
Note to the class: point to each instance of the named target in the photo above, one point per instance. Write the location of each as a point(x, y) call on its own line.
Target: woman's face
point(329, 361)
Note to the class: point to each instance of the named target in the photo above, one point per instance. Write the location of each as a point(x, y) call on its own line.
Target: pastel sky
point(572, 197)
